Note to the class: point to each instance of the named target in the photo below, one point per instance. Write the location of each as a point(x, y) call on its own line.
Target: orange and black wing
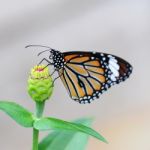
point(86, 75)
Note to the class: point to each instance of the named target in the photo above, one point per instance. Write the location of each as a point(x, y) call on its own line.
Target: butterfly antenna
point(49, 49)
point(37, 46)
point(44, 51)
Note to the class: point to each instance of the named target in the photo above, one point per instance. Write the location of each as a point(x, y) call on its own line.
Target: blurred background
point(122, 115)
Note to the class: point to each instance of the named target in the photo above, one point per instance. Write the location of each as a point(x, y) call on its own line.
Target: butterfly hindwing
point(86, 75)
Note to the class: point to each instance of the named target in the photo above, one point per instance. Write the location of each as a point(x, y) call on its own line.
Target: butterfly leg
point(44, 59)
point(52, 73)
point(56, 78)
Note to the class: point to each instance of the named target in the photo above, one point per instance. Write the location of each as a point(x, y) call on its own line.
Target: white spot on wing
point(114, 67)
point(104, 58)
point(110, 56)
point(114, 70)
point(114, 59)
point(114, 63)
point(113, 78)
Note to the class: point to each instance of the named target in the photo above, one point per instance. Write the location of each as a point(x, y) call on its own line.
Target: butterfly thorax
point(58, 59)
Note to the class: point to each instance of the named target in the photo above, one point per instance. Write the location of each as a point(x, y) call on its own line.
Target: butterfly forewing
point(86, 75)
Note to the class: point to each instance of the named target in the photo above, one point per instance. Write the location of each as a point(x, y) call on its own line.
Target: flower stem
point(38, 113)
point(35, 139)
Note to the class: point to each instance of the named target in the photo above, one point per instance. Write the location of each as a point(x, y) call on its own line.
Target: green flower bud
point(40, 83)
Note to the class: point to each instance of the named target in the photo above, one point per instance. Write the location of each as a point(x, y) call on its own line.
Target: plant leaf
point(53, 123)
point(53, 141)
point(17, 113)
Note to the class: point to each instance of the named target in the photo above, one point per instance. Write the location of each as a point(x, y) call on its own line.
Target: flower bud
point(40, 83)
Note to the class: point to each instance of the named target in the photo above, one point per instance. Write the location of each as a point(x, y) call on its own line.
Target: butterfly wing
point(86, 75)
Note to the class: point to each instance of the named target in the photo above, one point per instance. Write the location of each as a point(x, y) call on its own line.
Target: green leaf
point(53, 123)
point(17, 113)
point(49, 140)
point(53, 141)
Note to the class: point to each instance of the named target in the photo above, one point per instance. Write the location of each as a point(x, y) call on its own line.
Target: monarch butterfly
point(86, 75)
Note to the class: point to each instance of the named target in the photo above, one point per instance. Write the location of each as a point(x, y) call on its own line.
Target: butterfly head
point(55, 57)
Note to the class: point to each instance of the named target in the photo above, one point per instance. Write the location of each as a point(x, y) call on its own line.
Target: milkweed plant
point(63, 135)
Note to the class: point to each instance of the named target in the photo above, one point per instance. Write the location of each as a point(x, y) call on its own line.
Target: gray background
point(118, 27)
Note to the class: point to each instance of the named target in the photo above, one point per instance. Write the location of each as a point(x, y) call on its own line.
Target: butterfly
point(86, 75)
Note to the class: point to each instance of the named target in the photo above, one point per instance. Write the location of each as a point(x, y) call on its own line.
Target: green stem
point(35, 139)
point(39, 112)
